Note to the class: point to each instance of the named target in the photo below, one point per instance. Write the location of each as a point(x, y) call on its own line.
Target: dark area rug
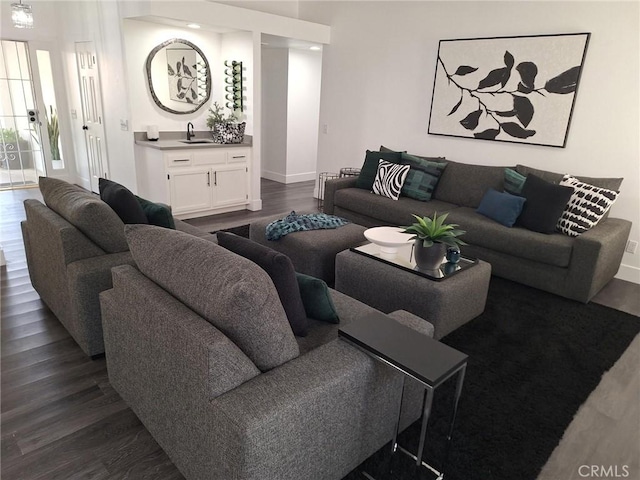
point(534, 358)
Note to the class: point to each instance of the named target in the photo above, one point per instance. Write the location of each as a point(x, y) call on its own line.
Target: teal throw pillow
point(502, 207)
point(513, 181)
point(316, 299)
point(157, 213)
point(370, 167)
point(422, 178)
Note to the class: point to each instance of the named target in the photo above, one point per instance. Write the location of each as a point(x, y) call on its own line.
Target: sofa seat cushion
point(387, 211)
point(86, 212)
point(551, 249)
point(229, 291)
point(465, 184)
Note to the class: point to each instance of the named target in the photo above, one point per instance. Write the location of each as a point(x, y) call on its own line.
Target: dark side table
point(417, 356)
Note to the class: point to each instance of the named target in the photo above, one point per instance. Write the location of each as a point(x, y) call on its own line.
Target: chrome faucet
point(190, 133)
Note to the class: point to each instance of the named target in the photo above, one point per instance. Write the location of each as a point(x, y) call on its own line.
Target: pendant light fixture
point(21, 15)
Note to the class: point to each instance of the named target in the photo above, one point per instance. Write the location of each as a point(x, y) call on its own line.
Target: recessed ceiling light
point(314, 48)
point(193, 25)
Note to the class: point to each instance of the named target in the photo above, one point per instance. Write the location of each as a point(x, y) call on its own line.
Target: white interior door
point(93, 126)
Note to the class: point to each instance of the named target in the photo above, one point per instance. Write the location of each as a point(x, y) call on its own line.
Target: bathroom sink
point(199, 140)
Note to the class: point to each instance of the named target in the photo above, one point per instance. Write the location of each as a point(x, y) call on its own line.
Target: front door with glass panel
point(22, 157)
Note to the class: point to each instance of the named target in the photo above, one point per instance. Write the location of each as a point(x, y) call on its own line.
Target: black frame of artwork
point(518, 89)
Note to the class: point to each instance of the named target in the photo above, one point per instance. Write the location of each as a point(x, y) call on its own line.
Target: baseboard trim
point(274, 176)
point(629, 273)
point(287, 179)
point(255, 205)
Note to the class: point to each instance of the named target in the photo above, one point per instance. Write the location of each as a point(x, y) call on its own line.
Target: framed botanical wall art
point(510, 89)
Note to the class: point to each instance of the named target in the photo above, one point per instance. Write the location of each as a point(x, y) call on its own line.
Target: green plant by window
point(9, 135)
point(434, 230)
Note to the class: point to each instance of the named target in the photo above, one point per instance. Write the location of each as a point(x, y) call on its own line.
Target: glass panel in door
point(21, 153)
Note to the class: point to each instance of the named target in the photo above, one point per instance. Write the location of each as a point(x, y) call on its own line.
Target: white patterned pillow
point(389, 179)
point(587, 206)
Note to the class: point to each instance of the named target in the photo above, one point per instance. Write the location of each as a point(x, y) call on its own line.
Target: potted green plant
point(431, 238)
point(54, 133)
point(225, 128)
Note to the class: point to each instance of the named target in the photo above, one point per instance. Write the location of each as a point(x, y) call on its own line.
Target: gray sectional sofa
point(71, 242)
point(573, 267)
point(199, 346)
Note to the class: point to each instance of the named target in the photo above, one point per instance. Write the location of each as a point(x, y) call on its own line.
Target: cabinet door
point(190, 190)
point(231, 186)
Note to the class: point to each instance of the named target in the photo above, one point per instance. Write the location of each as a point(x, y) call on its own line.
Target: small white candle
point(152, 132)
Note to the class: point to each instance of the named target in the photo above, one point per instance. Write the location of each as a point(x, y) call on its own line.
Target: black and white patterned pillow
point(587, 206)
point(389, 179)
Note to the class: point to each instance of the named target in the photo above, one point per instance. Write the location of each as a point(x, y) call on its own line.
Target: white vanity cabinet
point(195, 181)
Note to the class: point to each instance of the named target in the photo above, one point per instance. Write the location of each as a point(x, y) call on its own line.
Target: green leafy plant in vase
point(225, 128)
point(431, 238)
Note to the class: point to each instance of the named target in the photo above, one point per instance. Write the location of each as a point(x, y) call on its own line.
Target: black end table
point(417, 356)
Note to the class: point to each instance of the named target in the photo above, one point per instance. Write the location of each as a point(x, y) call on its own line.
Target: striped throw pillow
point(513, 181)
point(389, 179)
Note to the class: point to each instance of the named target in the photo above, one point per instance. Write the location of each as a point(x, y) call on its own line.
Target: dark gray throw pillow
point(279, 267)
point(545, 203)
point(122, 201)
point(370, 167)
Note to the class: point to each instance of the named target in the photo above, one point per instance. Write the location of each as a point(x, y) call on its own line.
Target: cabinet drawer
point(178, 159)
point(238, 155)
point(209, 156)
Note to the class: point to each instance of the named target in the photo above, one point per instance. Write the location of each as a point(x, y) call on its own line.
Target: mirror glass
point(178, 76)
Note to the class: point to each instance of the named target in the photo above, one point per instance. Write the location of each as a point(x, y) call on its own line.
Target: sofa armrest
point(597, 254)
point(330, 188)
point(86, 279)
point(334, 401)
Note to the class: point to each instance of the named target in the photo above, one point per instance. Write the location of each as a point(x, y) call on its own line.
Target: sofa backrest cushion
point(370, 167)
point(86, 212)
point(465, 184)
point(610, 183)
point(122, 201)
point(231, 292)
point(279, 268)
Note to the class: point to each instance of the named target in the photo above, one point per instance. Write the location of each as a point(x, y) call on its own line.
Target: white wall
point(378, 73)
point(140, 38)
point(275, 68)
point(303, 110)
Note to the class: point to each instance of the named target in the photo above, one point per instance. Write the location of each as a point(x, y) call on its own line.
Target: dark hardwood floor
point(60, 417)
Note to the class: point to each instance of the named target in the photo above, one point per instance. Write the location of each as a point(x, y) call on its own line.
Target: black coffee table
point(417, 356)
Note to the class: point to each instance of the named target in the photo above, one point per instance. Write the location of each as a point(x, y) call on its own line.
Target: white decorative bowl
point(389, 239)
